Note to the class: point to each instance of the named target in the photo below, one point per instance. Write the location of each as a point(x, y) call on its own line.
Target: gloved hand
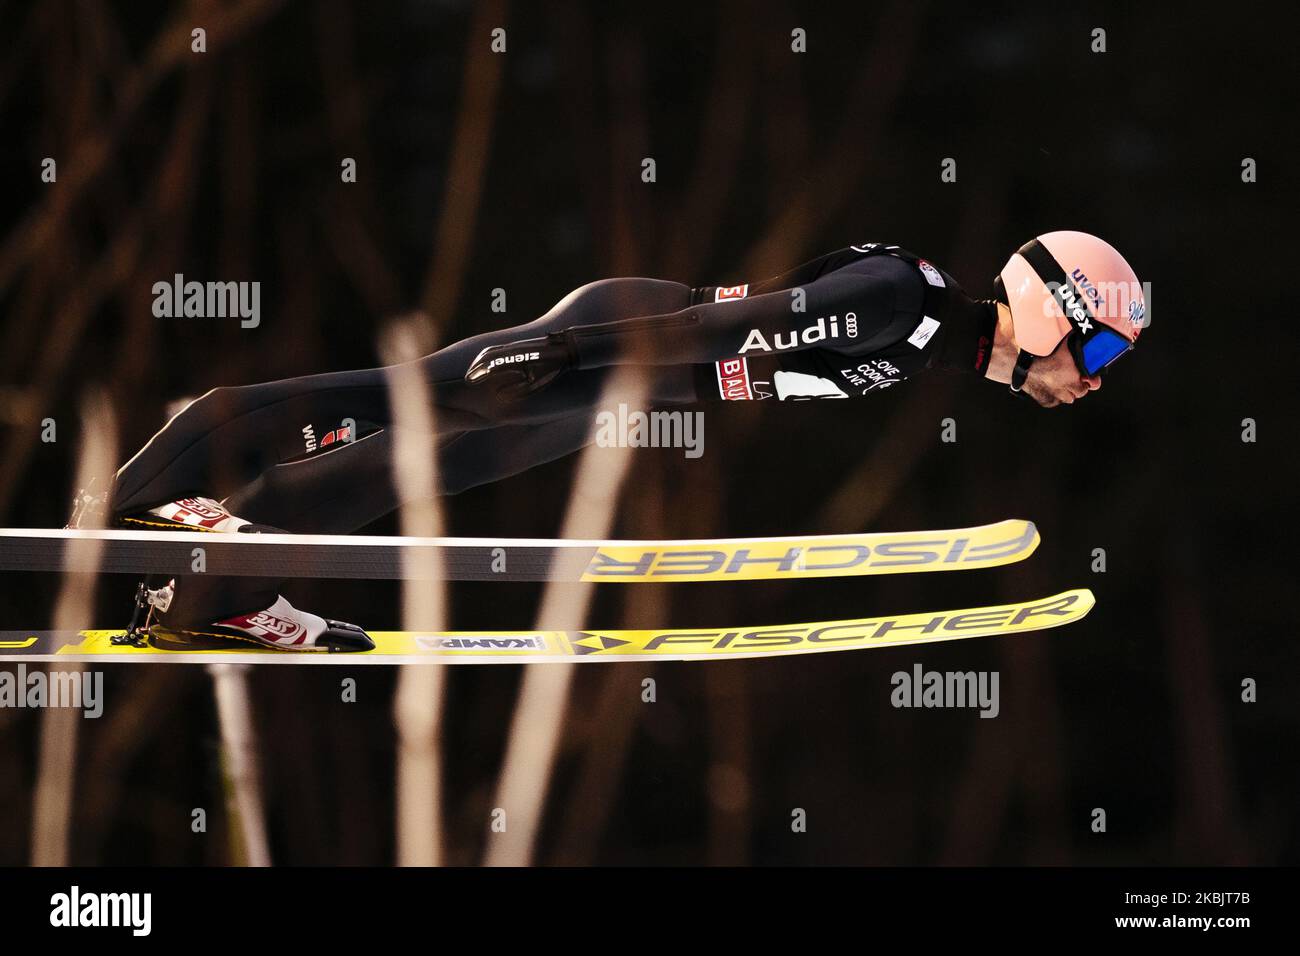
point(519, 368)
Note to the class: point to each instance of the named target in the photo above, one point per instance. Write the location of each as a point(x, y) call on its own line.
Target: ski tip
point(1072, 605)
point(1031, 532)
point(1026, 536)
point(1026, 527)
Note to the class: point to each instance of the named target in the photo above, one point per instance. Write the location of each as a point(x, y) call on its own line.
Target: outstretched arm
point(844, 310)
point(835, 310)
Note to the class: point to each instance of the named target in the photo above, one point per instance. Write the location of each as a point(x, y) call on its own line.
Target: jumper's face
point(1056, 380)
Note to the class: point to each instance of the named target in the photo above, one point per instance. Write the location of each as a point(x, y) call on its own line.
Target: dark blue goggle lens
point(1102, 348)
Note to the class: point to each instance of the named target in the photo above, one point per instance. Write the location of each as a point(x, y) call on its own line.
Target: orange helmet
point(1073, 284)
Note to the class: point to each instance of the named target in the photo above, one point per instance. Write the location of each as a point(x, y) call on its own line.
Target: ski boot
point(195, 615)
point(192, 514)
point(280, 627)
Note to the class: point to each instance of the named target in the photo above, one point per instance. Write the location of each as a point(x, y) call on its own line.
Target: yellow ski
point(378, 557)
point(525, 647)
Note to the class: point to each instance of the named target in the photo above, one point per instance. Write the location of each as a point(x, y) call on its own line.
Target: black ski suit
point(313, 454)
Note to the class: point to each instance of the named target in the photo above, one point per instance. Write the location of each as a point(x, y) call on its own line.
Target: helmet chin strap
point(1023, 359)
point(1021, 371)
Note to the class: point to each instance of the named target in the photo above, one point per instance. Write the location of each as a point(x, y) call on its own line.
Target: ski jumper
point(313, 454)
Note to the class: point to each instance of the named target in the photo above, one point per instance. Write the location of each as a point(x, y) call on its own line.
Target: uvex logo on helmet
point(1090, 290)
point(1080, 296)
point(1072, 305)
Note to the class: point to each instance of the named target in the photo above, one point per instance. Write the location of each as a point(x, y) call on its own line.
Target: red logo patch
point(266, 625)
point(338, 434)
point(198, 508)
point(733, 380)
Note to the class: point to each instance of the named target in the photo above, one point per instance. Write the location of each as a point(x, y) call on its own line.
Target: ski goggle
point(1098, 349)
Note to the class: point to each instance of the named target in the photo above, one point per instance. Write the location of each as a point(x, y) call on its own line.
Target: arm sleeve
point(760, 324)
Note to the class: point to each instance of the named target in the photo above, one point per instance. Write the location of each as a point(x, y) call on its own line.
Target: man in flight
point(313, 454)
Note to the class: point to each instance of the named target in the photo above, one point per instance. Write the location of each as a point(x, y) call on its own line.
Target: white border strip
point(397, 541)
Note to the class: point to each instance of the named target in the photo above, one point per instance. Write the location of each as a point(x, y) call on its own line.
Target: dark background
point(522, 172)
